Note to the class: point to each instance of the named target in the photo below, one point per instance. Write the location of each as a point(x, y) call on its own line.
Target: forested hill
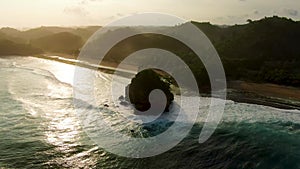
point(59, 40)
point(265, 50)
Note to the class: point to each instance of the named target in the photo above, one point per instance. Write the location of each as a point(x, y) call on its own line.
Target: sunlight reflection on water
point(63, 72)
point(44, 89)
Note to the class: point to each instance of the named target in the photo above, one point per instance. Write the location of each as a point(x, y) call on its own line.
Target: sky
point(36, 13)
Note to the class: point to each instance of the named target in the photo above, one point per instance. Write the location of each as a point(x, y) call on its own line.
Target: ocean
point(39, 127)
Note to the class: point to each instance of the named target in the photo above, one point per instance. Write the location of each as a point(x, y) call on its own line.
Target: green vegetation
point(12, 48)
point(63, 42)
point(261, 51)
point(41, 40)
point(265, 50)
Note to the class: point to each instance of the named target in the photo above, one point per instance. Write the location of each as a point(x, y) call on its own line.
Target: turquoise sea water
point(39, 128)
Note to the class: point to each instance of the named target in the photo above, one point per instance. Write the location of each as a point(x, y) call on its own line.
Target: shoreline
point(106, 67)
point(278, 96)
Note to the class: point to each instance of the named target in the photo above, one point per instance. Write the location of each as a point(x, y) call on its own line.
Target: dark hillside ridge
point(265, 50)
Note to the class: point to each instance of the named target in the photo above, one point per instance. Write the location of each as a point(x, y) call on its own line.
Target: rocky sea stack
point(138, 91)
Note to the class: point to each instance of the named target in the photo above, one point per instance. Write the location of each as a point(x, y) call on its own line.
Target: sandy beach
point(274, 95)
point(267, 89)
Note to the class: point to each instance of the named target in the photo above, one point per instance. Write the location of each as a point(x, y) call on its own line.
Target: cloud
point(79, 9)
point(84, 2)
point(76, 10)
point(120, 14)
point(291, 12)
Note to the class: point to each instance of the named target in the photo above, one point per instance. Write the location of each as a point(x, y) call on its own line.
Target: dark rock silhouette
point(138, 91)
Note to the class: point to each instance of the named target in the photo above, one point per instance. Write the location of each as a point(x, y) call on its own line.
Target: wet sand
point(265, 94)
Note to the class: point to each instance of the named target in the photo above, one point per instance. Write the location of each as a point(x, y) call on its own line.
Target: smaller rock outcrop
point(138, 91)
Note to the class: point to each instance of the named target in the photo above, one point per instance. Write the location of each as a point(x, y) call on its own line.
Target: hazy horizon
point(86, 26)
point(70, 13)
